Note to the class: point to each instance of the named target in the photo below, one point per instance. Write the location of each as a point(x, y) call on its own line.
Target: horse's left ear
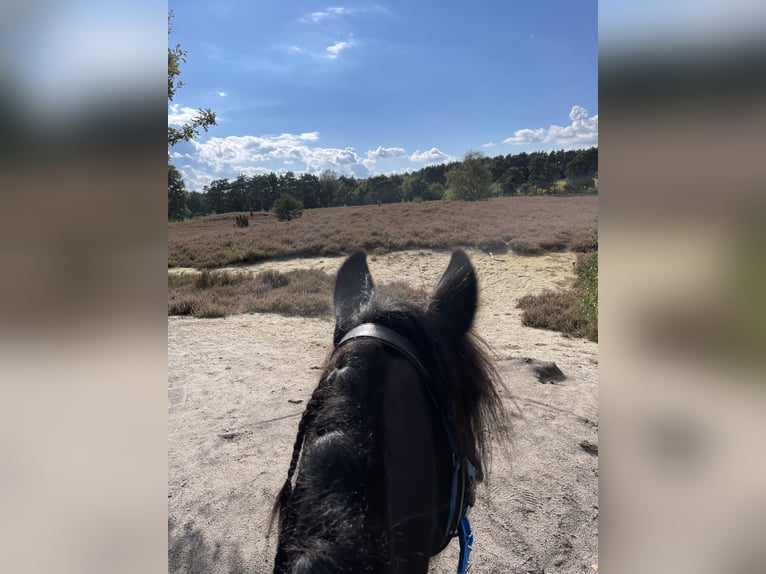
point(453, 302)
point(353, 287)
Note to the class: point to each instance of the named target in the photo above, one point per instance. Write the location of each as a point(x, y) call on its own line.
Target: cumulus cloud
point(241, 154)
point(332, 12)
point(431, 156)
point(582, 131)
point(223, 94)
point(194, 178)
point(179, 115)
point(227, 157)
point(386, 152)
point(335, 49)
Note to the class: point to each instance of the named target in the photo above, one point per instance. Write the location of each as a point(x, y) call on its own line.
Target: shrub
point(585, 241)
point(274, 279)
point(286, 208)
point(583, 184)
point(553, 310)
point(525, 247)
point(210, 279)
point(242, 220)
point(574, 311)
point(470, 180)
point(302, 292)
point(587, 283)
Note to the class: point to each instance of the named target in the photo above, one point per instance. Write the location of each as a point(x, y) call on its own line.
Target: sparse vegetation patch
point(302, 292)
point(573, 311)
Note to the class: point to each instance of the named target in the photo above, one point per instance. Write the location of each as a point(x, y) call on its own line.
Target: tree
point(581, 170)
point(204, 118)
point(511, 180)
point(382, 189)
point(434, 191)
point(471, 179)
point(414, 186)
point(286, 207)
point(178, 208)
point(197, 203)
point(542, 173)
point(238, 198)
point(329, 188)
point(308, 189)
point(288, 184)
point(218, 195)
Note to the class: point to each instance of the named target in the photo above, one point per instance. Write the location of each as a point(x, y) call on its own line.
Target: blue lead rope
point(465, 534)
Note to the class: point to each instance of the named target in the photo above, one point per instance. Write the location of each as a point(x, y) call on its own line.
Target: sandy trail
point(231, 424)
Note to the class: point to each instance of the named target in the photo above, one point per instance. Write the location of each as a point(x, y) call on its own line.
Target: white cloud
point(582, 131)
point(431, 156)
point(194, 178)
point(223, 94)
point(386, 152)
point(332, 12)
point(227, 157)
point(245, 154)
point(335, 49)
point(179, 115)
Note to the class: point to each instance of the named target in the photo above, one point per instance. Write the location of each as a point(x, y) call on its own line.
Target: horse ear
point(353, 287)
point(453, 302)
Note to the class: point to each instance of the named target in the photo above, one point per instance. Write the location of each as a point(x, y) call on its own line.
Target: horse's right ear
point(353, 287)
point(453, 303)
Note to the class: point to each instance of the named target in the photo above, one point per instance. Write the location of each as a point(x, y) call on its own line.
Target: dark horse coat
point(384, 434)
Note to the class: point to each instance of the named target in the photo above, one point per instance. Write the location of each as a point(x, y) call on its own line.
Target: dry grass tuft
point(574, 311)
point(302, 292)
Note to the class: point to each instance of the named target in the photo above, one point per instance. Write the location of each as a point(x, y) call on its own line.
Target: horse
point(396, 434)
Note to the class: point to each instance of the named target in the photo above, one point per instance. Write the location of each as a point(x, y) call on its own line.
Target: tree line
point(475, 177)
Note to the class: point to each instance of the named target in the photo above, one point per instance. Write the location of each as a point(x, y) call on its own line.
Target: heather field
point(524, 225)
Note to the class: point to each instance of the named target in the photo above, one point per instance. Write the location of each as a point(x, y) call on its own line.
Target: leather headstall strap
point(390, 338)
point(463, 480)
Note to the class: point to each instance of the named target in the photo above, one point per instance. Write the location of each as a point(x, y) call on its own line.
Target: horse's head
point(464, 378)
point(396, 429)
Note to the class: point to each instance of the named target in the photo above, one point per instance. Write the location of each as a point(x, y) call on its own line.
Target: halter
point(463, 477)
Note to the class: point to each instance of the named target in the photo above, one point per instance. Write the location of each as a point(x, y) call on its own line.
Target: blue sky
point(366, 88)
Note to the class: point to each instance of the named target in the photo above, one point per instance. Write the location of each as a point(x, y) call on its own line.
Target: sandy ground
point(237, 386)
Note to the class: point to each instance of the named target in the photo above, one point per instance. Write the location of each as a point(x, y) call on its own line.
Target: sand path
point(231, 424)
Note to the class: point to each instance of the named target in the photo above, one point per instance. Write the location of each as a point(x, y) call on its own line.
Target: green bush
point(573, 311)
point(286, 207)
point(587, 274)
point(471, 179)
point(242, 220)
